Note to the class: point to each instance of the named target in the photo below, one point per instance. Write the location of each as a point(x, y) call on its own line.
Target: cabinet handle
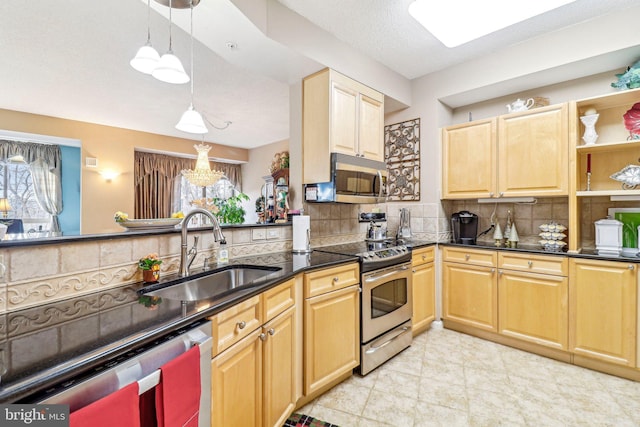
point(500, 272)
point(493, 270)
point(424, 257)
point(631, 267)
point(413, 271)
point(466, 257)
point(335, 279)
point(262, 337)
point(501, 194)
point(271, 331)
point(530, 263)
point(242, 324)
point(491, 194)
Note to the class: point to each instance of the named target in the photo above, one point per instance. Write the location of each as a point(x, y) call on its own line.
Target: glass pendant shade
point(202, 175)
point(191, 122)
point(170, 70)
point(146, 59)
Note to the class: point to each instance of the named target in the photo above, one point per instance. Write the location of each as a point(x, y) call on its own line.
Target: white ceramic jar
point(609, 237)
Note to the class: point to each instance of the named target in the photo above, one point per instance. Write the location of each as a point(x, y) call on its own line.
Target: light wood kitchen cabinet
point(603, 310)
point(469, 160)
point(514, 155)
point(340, 115)
point(424, 288)
point(533, 152)
point(469, 288)
point(331, 328)
point(254, 379)
point(533, 298)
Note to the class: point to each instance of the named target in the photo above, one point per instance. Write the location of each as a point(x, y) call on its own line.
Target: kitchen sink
point(217, 283)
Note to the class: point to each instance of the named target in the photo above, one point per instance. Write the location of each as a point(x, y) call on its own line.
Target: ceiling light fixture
point(456, 22)
point(202, 175)
point(169, 68)
point(191, 121)
point(147, 57)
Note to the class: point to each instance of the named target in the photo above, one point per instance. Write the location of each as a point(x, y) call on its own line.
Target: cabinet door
point(371, 128)
point(331, 336)
point(236, 384)
point(470, 295)
point(602, 303)
point(469, 160)
point(533, 150)
point(424, 288)
point(344, 104)
point(533, 307)
point(279, 368)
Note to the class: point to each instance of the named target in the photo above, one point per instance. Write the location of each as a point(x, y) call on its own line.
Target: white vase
point(590, 135)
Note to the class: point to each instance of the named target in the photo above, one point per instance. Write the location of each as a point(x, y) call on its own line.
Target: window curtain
point(45, 161)
point(157, 186)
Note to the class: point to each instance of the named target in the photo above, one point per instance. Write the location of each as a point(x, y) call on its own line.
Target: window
point(192, 196)
point(16, 185)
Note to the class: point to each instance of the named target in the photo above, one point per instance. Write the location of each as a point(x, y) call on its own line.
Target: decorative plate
point(150, 224)
point(629, 176)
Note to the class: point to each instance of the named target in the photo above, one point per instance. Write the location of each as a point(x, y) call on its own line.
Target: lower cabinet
point(424, 288)
point(254, 380)
point(603, 310)
point(533, 306)
point(470, 296)
point(331, 337)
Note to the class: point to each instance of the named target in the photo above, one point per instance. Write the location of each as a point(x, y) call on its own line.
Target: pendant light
point(147, 57)
point(169, 69)
point(191, 121)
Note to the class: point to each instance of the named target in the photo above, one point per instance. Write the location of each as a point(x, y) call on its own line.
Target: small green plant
point(230, 211)
point(150, 262)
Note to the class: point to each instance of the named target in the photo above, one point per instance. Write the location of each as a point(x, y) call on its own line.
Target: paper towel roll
point(301, 228)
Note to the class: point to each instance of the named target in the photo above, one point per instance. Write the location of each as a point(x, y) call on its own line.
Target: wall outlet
point(258, 234)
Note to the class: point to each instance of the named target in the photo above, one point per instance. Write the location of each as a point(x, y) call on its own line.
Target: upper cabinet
point(340, 115)
point(518, 154)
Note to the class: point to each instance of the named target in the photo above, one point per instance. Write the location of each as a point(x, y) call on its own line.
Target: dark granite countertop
point(49, 344)
point(536, 249)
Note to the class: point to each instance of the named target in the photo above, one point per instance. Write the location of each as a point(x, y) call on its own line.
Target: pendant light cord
point(170, 8)
point(149, 22)
point(191, 3)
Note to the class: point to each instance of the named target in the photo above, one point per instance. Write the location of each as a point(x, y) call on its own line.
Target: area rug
point(301, 420)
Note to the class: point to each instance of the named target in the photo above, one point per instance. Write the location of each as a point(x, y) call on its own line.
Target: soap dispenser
point(223, 253)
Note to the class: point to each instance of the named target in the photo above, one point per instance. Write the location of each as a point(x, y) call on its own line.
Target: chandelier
point(202, 175)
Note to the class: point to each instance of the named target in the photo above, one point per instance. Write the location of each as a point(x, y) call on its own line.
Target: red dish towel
point(178, 394)
point(117, 409)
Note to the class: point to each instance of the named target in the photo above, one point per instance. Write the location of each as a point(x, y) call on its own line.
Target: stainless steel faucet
point(187, 257)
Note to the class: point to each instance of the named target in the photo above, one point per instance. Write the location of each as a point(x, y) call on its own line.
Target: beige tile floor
point(450, 379)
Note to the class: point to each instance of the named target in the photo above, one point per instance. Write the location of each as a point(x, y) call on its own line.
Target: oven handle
point(404, 330)
point(385, 275)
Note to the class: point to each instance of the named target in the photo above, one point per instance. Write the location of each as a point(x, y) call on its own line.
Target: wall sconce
point(109, 175)
point(5, 207)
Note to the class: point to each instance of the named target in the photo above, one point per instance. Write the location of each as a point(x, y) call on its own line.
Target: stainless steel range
point(386, 305)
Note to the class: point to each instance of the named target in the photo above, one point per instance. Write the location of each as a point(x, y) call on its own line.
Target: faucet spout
point(217, 236)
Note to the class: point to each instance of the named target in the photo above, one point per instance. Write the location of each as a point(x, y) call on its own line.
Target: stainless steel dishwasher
point(142, 366)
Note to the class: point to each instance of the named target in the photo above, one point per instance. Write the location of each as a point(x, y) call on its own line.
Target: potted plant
point(230, 211)
point(150, 266)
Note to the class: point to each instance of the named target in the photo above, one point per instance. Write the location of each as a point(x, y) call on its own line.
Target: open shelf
point(611, 100)
point(597, 193)
point(609, 146)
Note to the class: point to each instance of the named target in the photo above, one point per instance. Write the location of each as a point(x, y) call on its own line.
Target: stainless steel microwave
point(353, 180)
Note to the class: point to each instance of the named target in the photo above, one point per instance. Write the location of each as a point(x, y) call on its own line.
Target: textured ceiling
point(70, 59)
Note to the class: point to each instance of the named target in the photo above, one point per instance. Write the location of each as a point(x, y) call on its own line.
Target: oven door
point(386, 300)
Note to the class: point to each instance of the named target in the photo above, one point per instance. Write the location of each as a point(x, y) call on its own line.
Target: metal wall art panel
point(402, 155)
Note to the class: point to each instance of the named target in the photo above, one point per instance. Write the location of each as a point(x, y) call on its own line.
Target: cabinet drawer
point(480, 257)
point(422, 256)
point(235, 323)
point(556, 265)
point(327, 280)
point(278, 299)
